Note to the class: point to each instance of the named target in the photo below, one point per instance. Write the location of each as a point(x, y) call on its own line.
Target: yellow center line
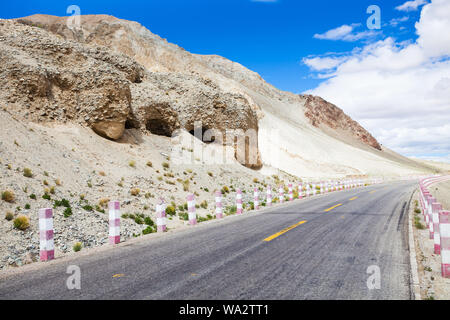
point(373, 191)
point(354, 198)
point(333, 207)
point(276, 235)
point(118, 275)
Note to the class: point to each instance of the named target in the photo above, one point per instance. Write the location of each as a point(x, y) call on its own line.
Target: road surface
point(318, 248)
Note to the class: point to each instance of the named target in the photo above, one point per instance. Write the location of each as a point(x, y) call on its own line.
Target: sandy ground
point(432, 284)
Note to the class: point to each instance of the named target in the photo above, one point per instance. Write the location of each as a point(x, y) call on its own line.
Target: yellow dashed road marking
point(276, 235)
point(333, 207)
point(354, 198)
point(118, 275)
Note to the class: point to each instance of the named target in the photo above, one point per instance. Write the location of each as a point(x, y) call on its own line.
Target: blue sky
point(270, 38)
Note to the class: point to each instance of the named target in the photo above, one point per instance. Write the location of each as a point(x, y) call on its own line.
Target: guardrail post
point(46, 243)
point(191, 209)
point(239, 201)
point(444, 231)
point(161, 216)
point(114, 222)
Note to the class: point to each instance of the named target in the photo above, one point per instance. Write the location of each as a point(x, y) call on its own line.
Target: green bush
point(149, 230)
point(138, 220)
point(148, 221)
point(46, 196)
point(77, 246)
point(27, 173)
point(61, 203)
point(418, 224)
point(27, 206)
point(183, 216)
point(67, 212)
point(33, 196)
point(9, 216)
point(204, 204)
point(88, 207)
point(230, 210)
point(22, 222)
point(8, 196)
point(170, 210)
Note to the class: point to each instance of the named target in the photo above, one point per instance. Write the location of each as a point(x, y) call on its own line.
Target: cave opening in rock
point(208, 138)
point(159, 127)
point(131, 124)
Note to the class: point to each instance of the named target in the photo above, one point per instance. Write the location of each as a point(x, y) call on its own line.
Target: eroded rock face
point(44, 77)
point(322, 112)
point(50, 73)
point(165, 102)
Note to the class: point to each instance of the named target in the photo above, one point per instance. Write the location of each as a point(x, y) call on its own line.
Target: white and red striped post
point(307, 189)
point(314, 189)
point(46, 243)
point(430, 201)
point(219, 208)
point(436, 207)
point(269, 196)
point(321, 187)
point(281, 194)
point(444, 231)
point(291, 192)
point(239, 201)
point(425, 210)
point(256, 199)
point(191, 209)
point(326, 186)
point(114, 222)
point(161, 216)
point(300, 191)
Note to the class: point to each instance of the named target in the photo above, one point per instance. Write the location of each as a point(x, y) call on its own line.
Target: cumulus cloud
point(400, 91)
point(411, 5)
point(345, 33)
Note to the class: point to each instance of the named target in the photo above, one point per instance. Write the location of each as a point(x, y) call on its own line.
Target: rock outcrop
point(321, 112)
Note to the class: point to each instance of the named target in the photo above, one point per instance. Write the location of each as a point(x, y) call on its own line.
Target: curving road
point(319, 248)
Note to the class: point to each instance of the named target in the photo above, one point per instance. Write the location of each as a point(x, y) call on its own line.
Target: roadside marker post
point(444, 231)
point(191, 209)
point(219, 208)
point(291, 194)
point(114, 222)
point(161, 216)
point(436, 208)
point(281, 194)
point(46, 243)
point(239, 201)
point(269, 196)
point(256, 199)
point(300, 191)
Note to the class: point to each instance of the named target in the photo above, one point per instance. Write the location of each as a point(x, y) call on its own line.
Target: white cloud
point(321, 64)
point(396, 21)
point(411, 5)
point(345, 32)
point(399, 91)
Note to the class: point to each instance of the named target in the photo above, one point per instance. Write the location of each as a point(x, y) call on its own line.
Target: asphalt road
point(324, 257)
